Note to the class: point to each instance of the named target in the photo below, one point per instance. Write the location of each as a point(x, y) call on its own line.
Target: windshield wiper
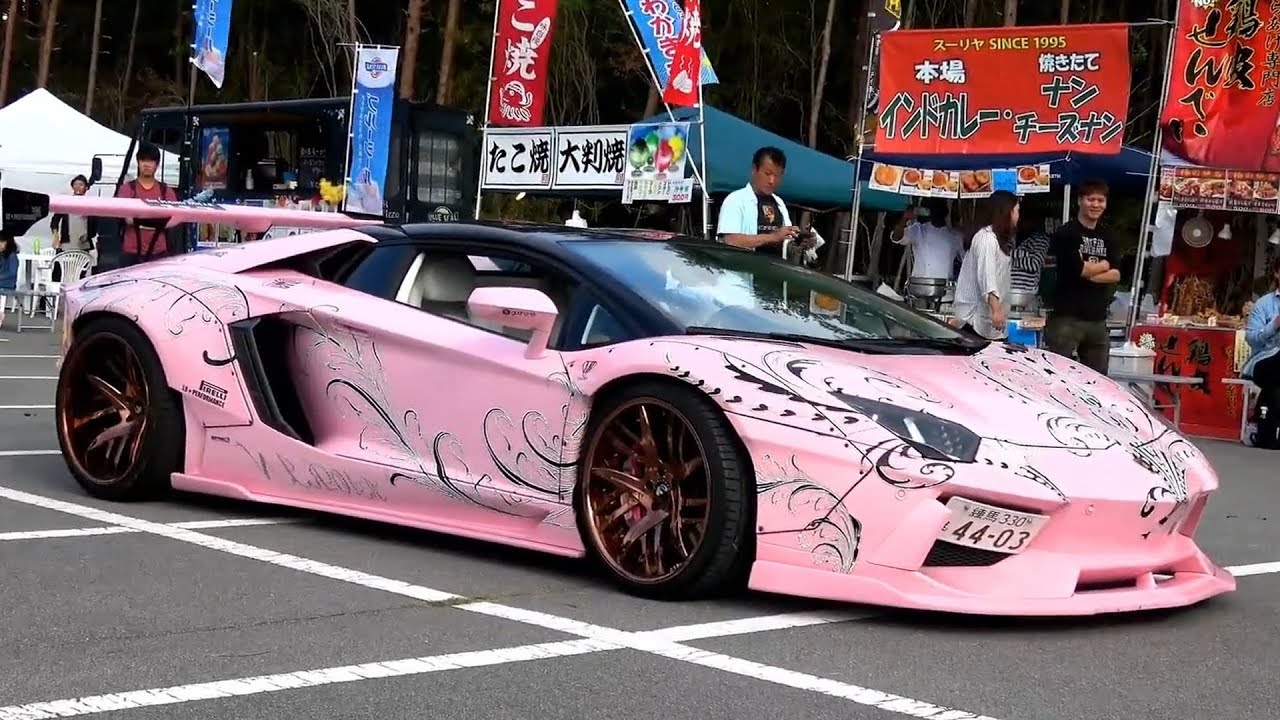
point(960, 345)
point(889, 346)
point(760, 335)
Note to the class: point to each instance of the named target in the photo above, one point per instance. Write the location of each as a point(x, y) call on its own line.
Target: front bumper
point(1181, 575)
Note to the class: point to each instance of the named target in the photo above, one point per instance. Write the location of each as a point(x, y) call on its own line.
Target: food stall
point(293, 153)
point(1217, 231)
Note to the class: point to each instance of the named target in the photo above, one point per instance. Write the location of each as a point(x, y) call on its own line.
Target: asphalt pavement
point(200, 608)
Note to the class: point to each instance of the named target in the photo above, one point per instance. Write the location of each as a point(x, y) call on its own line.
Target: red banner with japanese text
point(684, 83)
point(521, 55)
point(1004, 90)
point(1221, 109)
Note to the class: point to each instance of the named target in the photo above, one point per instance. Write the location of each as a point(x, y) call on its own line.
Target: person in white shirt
point(755, 218)
point(982, 288)
point(935, 245)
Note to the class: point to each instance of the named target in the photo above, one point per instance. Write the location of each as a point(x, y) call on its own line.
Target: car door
point(405, 376)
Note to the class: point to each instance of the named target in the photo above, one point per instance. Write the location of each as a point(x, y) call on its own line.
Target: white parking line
point(645, 642)
point(485, 658)
point(119, 530)
point(28, 377)
point(291, 681)
point(1254, 569)
point(28, 357)
point(26, 407)
point(28, 453)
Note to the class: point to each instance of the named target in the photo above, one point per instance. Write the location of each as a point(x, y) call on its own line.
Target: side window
point(601, 328)
point(381, 272)
point(441, 283)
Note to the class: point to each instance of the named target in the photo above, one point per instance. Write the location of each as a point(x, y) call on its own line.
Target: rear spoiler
point(23, 209)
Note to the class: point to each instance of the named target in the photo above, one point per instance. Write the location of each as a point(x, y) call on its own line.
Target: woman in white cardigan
point(981, 302)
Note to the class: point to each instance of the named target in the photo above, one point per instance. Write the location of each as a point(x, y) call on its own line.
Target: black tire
point(717, 565)
point(162, 444)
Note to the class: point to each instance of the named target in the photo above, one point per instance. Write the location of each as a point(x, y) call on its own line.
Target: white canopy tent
point(44, 143)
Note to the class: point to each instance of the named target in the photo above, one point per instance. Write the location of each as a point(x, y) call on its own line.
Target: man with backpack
point(140, 242)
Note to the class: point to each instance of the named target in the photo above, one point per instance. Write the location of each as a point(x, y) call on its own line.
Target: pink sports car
point(694, 417)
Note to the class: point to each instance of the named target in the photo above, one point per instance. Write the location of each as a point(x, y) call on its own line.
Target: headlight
point(933, 437)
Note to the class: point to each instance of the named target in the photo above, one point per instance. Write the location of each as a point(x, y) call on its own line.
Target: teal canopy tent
point(814, 179)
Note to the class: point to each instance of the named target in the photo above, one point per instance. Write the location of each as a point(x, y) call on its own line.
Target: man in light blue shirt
point(1262, 332)
point(755, 218)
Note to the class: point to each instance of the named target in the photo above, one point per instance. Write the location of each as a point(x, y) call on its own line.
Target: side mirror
point(517, 307)
point(95, 170)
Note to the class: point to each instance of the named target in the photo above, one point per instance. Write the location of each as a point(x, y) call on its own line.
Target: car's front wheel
point(119, 426)
point(663, 497)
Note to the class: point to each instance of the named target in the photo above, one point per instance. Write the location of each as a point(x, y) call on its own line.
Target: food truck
point(284, 153)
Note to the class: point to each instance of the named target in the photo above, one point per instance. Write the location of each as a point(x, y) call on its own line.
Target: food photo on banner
point(213, 29)
point(1216, 227)
point(522, 41)
point(372, 99)
point(657, 163)
point(1004, 90)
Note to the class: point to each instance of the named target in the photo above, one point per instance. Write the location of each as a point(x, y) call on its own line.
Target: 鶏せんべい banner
point(1221, 109)
point(1004, 90)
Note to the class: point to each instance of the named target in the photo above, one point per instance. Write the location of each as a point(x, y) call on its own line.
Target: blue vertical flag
point(658, 23)
point(373, 96)
point(213, 27)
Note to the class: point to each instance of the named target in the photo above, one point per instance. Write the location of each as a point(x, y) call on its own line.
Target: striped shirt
point(1028, 259)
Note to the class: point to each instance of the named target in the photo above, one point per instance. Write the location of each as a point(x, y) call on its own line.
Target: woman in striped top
point(1030, 251)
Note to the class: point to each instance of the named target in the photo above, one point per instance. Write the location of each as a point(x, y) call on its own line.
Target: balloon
point(677, 148)
point(664, 157)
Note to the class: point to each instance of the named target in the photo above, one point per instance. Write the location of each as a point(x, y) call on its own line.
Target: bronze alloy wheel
point(102, 408)
point(647, 492)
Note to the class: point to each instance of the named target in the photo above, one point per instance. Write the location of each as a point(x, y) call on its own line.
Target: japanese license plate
point(986, 527)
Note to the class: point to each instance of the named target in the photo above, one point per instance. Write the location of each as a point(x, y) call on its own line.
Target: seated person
point(8, 262)
point(1262, 332)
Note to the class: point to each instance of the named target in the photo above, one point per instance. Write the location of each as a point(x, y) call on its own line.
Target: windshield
point(716, 286)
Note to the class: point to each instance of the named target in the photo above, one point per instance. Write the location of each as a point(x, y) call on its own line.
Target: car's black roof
point(538, 237)
point(547, 232)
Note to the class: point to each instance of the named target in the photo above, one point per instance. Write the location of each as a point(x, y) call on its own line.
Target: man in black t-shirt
point(1087, 267)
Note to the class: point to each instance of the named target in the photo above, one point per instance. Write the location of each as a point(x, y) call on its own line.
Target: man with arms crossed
point(1086, 258)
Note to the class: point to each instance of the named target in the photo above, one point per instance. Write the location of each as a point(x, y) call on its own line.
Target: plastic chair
point(74, 265)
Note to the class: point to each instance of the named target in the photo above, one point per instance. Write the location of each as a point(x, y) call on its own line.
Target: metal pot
point(1023, 299)
point(923, 287)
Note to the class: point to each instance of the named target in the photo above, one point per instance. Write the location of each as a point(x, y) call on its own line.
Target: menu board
point(311, 165)
point(928, 182)
point(1217, 189)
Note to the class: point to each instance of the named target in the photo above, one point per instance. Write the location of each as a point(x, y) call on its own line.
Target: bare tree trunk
point(46, 43)
point(180, 59)
point(858, 88)
point(412, 29)
point(1010, 13)
point(353, 31)
point(651, 105)
point(127, 78)
point(970, 13)
point(1064, 12)
point(93, 58)
point(820, 85)
point(447, 51)
point(7, 60)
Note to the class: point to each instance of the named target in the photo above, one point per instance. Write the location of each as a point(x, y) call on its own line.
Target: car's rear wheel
point(119, 426)
point(662, 500)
